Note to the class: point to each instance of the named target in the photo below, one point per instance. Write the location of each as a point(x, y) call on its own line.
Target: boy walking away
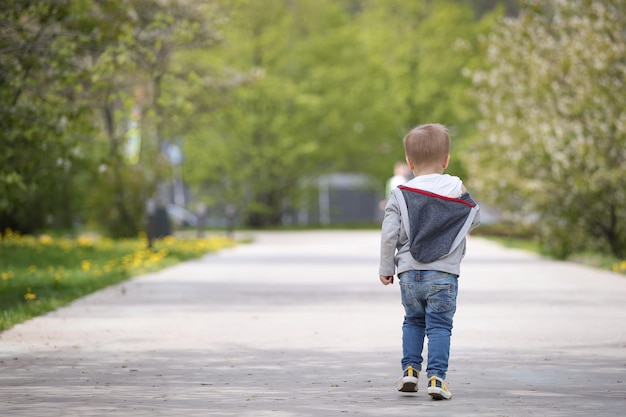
point(423, 239)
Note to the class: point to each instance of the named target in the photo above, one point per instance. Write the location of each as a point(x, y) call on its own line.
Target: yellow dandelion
point(45, 239)
point(11, 234)
point(85, 241)
point(6, 275)
point(623, 266)
point(85, 265)
point(32, 268)
point(29, 296)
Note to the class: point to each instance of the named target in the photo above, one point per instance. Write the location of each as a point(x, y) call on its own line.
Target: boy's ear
point(445, 164)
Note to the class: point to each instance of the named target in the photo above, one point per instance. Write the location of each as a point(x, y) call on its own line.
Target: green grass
point(601, 261)
point(593, 259)
point(40, 274)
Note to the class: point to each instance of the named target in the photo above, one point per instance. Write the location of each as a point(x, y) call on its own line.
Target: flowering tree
point(553, 135)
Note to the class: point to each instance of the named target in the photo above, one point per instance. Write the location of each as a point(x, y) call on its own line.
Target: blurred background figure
point(401, 174)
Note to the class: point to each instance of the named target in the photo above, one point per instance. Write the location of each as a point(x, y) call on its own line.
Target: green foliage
point(38, 116)
point(72, 72)
point(323, 87)
point(255, 150)
point(265, 96)
point(426, 47)
point(554, 132)
point(118, 208)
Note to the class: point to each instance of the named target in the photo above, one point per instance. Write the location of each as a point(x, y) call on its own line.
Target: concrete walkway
point(297, 324)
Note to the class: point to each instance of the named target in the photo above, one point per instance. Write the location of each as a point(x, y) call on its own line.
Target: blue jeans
point(429, 300)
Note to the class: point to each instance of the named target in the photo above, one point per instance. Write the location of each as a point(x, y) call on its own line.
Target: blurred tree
point(330, 86)
point(425, 47)
point(42, 127)
point(482, 7)
point(300, 88)
point(297, 60)
point(72, 73)
point(139, 82)
point(554, 131)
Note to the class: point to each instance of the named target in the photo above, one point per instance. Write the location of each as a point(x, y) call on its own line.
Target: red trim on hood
point(429, 194)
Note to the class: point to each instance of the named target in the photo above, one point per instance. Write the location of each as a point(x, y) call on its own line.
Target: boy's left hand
point(386, 280)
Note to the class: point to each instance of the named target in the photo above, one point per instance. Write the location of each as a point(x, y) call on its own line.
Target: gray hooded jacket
point(425, 231)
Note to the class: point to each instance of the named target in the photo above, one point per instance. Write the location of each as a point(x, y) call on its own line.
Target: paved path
point(297, 324)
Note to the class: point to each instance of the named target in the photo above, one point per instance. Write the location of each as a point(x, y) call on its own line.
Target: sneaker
point(437, 389)
point(408, 382)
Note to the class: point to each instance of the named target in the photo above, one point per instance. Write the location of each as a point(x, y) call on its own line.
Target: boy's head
point(427, 147)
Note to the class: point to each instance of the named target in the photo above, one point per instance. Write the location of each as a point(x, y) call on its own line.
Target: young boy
point(423, 237)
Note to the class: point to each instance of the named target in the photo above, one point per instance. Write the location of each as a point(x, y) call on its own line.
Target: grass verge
point(40, 274)
point(592, 259)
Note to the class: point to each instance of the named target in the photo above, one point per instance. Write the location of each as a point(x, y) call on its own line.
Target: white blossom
point(554, 126)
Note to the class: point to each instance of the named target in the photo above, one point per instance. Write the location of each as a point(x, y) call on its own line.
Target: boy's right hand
point(386, 279)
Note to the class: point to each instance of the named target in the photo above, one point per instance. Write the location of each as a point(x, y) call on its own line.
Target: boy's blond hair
point(427, 144)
